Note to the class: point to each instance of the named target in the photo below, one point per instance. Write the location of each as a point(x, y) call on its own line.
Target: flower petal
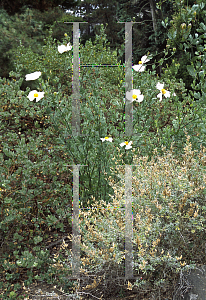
point(136, 67)
point(109, 139)
point(32, 76)
point(128, 147)
point(69, 47)
point(140, 98)
point(129, 96)
point(122, 144)
point(136, 92)
point(167, 94)
point(160, 86)
point(159, 96)
point(144, 59)
point(62, 48)
point(40, 96)
point(142, 68)
point(31, 95)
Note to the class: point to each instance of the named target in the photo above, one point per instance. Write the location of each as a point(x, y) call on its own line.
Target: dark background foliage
point(15, 6)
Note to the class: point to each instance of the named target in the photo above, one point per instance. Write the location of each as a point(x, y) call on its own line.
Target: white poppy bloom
point(160, 86)
point(34, 94)
point(63, 48)
point(106, 139)
point(134, 95)
point(140, 67)
point(33, 76)
point(128, 145)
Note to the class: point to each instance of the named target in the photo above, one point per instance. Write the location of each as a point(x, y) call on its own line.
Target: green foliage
point(186, 35)
point(168, 201)
point(36, 189)
point(37, 148)
point(54, 66)
point(28, 29)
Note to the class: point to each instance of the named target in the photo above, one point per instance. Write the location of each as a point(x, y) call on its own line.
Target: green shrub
point(27, 28)
point(37, 149)
point(186, 35)
point(169, 215)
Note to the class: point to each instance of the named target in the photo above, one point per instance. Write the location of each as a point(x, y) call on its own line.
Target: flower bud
point(174, 49)
point(183, 25)
point(65, 34)
point(190, 25)
point(194, 13)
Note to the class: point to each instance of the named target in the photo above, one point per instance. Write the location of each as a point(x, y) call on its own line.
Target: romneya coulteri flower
point(160, 86)
point(127, 144)
point(34, 94)
point(140, 67)
point(33, 76)
point(63, 48)
point(134, 95)
point(109, 139)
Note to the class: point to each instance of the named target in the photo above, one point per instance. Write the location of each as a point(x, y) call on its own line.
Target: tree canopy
point(15, 6)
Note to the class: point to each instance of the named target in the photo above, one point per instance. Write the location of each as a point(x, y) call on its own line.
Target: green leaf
point(37, 239)
point(197, 95)
point(172, 35)
point(202, 25)
point(191, 71)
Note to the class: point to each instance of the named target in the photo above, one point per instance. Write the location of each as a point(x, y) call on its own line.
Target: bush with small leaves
point(168, 204)
point(38, 150)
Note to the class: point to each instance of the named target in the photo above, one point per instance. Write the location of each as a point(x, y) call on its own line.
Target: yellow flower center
point(140, 62)
point(163, 91)
point(36, 95)
point(126, 143)
point(106, 137)
point(134, 96)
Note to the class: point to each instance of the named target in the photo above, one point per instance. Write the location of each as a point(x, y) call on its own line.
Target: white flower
point(63, 48)
point(140, 67)
point(128, 145)
point(34, 94)
point(33, 76)
point(160, 87)
point(134, 95)
point(106, 139)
